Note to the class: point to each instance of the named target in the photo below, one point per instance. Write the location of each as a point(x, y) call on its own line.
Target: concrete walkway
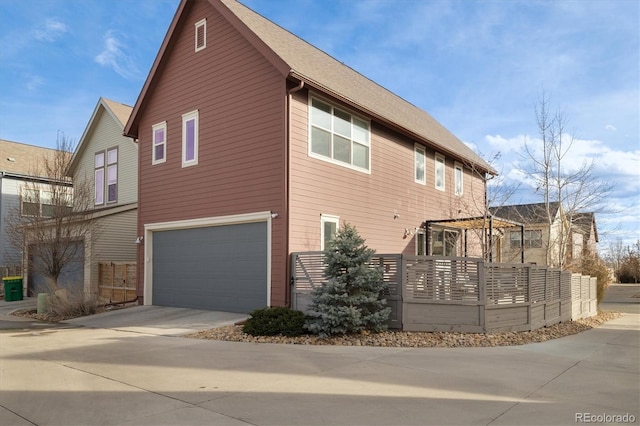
point(129, 376)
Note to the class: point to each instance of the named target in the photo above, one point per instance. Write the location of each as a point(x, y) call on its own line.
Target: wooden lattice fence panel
point(506, 284)
point(117, 281)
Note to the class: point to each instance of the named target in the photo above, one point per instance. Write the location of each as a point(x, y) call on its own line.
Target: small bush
point(275, 321)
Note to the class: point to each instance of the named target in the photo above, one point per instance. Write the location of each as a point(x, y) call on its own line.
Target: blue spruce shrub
point(350, 301)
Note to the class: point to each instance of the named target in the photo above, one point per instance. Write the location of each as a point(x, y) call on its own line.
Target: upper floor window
point(201, 34)
point(420, 163)
point(112, 175)
point(98, 181)
point(46, 202)
point(190, 138)
point(439, 172)
point(339, 136)
point(532, 238)
point(458, 173)
point(159, 136)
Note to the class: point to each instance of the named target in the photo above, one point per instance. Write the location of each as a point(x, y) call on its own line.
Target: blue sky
point(478, 67)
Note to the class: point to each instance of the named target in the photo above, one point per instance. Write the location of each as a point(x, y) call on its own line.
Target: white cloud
point(115, 57)
point(34, 82)
point(51, 31)
point(610, 127)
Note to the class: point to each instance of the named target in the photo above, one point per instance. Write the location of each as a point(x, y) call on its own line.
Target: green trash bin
point(12, 288)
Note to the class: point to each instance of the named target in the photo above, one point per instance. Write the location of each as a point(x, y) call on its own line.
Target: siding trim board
point(149, 229)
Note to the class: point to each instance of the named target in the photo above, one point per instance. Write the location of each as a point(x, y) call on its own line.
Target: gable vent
point(201, 35)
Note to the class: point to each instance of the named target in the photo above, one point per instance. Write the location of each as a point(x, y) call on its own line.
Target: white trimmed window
point(458, 173)
point(338, 136)
point(112, 175)
point(201, 35)
point(439, 172)
point(532, 239)
point(48, 201)
point(190, 139)
point(328, 229)
point(159, 136)
point(98, 178)
point(419, 156)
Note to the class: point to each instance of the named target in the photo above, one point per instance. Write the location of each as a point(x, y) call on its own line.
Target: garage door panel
point(218, 268)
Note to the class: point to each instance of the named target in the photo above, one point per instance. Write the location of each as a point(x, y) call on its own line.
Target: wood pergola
point(480, 222)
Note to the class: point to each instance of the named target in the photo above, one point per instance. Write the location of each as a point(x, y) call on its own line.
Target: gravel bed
point(233, 333)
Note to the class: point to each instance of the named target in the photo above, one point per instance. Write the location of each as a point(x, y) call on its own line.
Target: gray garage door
point(222, 268)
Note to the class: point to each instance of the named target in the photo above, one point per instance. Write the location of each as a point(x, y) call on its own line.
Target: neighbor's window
point(190, 139)
point(98, 178)
point(532, 238)
point(30, 202)
point(201, 35)
point(338, 136)
point(328, 229)
point(458, 173)
point(159, 136)
point(51, 202)
point(112, 175)
point(420, 162)
point(439, 172)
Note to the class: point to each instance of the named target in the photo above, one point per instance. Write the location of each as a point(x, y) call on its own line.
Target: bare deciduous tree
point(549, 165)
point(52, 222)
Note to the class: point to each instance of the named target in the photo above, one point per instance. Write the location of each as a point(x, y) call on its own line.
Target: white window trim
point(154, 128)
point(327, 218)
point(201, 23)
point(97, 170)
point(458, 166)
point(329, 159)
point(193, 115)
point(106, 177)
point(421, 148)
point(444, 171)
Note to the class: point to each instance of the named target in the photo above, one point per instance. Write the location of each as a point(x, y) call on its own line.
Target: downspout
point(287, 177)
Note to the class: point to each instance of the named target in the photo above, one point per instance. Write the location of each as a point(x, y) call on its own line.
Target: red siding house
point(254, 144)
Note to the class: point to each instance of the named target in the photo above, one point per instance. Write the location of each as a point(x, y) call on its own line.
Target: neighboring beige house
point(20, 166)
point(545, 240)
point(254, 144)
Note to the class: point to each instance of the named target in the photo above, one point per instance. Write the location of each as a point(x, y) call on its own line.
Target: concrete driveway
point(143, 374)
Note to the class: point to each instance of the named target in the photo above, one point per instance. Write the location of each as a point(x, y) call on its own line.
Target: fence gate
point(307, 272)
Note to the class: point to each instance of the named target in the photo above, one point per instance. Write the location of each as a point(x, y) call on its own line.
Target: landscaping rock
point(407, 339)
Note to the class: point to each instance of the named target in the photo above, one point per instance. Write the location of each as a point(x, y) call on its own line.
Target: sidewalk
point(85, 376)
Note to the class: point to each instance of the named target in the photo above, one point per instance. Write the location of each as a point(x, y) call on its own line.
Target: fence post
point(482, 294)
point(529, 291)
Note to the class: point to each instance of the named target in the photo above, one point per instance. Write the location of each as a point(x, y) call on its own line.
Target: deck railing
point(428, 293)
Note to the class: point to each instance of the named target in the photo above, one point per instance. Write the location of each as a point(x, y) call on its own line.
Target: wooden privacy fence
point(428, 293)
point(117, 281)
